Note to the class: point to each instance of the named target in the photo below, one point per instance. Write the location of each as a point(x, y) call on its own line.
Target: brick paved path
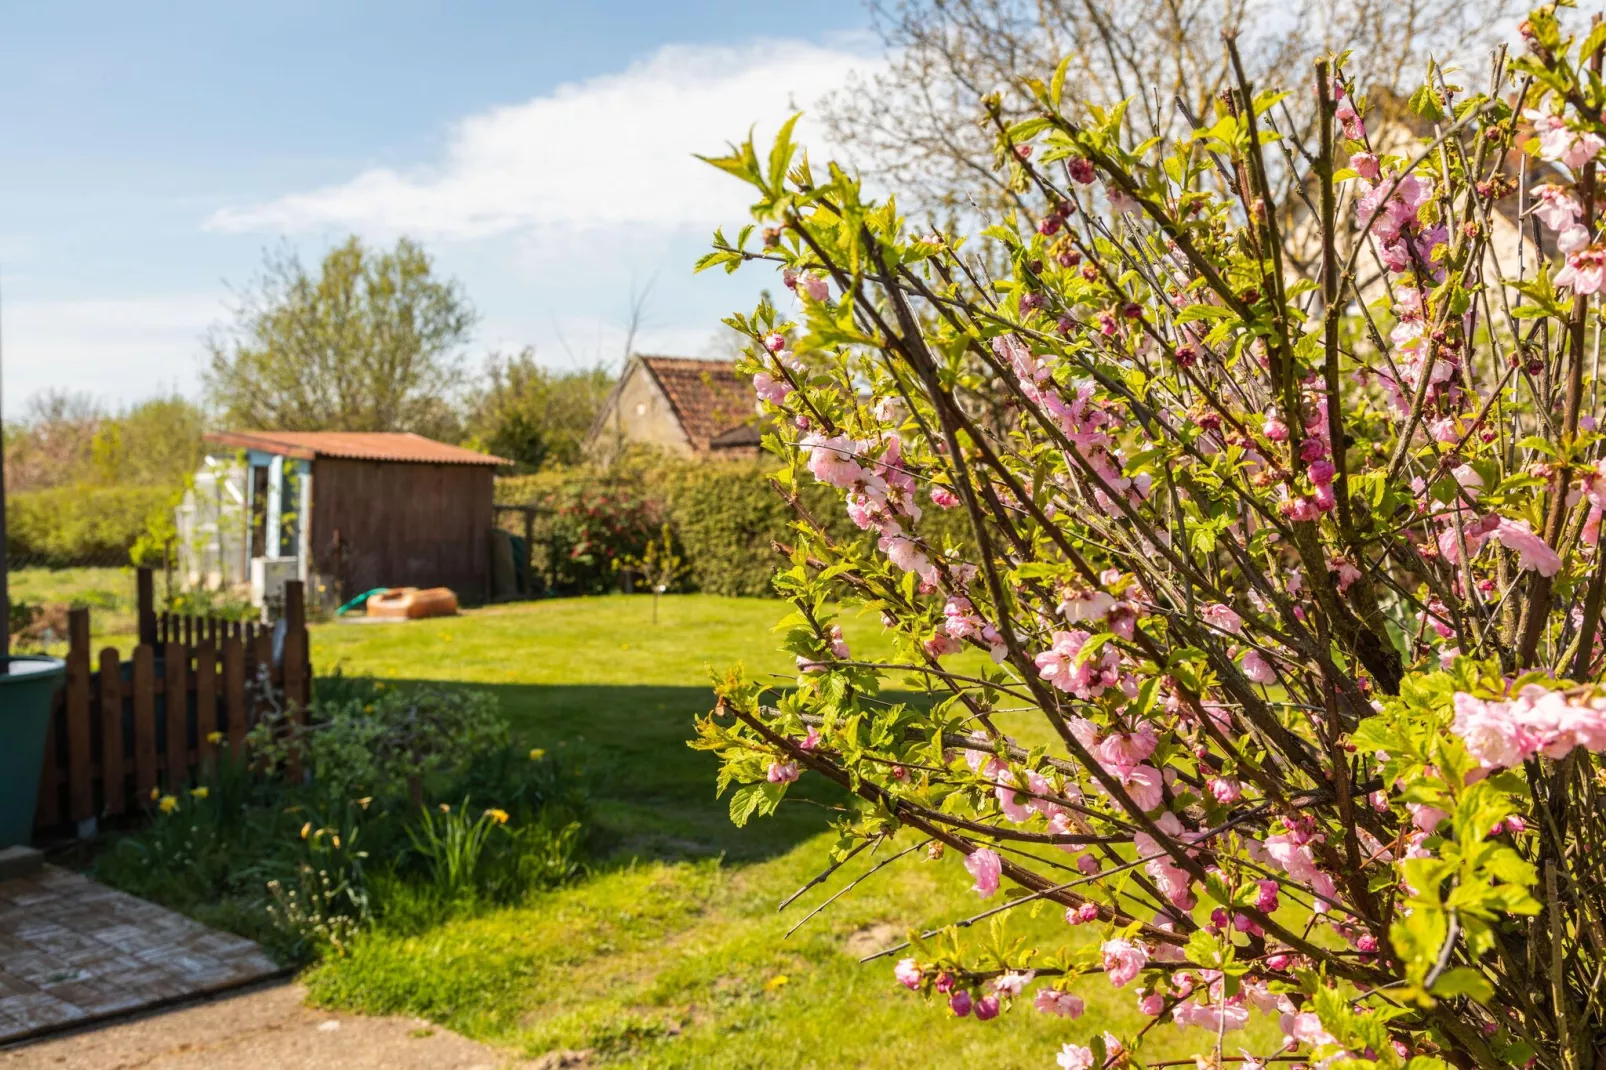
point(72, 950)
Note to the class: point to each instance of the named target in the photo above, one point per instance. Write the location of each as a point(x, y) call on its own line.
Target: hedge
point(724, 514)
point(68, 526)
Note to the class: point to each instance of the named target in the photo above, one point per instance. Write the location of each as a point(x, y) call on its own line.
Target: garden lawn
point(672, 953)
point(108, 592)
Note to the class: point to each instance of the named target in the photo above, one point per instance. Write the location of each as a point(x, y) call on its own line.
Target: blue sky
point(539, 150)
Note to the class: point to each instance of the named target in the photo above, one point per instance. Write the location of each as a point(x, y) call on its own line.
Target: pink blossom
point(960, 1003)
point(1427, 818)
point(831, 460)
point(1559, 143)
point(1225, 790)
point(1257, 668)
point(1585, 271)
point(1212, 1016)
point(986, 1008)
point(1122, 960)
point(1365, 165)
point(771, 389)
point(904, 553)
point(1145, 786)
point(908, 973)
point(1076, 606)
point(1354, 128)
point(1067, 669)
point(1555, 207)
point(815, 287)
point(1304, 1028)
point(943, 498)
point(1223, 617)
point(1572, 239)
point(1053, 1001)
point(941, 645)
point(1266, 896)
point(1275, 429)
point(839, 645)
point(1074, 1057)
point(782, 772)
point(1151, 1004)
point(985, 866)
point(810, 741)
point(1083, 914)
point(1531, 550)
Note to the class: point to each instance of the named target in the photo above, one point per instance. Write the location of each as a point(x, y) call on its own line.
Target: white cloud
point(610, 151)
point(118, 350)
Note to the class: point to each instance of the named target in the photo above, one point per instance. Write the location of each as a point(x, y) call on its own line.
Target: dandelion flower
point(167, 804)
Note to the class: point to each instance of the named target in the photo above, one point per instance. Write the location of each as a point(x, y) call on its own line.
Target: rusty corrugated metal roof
point(403, 446)
point(708, 396)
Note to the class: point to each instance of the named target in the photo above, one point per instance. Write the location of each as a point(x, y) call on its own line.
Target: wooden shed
point(344, 511)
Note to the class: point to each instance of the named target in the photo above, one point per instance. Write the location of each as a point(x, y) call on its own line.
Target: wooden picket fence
point(122, 730)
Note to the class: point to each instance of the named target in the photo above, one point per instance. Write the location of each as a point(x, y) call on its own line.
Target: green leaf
point(1056, 85)
point(1464, 981)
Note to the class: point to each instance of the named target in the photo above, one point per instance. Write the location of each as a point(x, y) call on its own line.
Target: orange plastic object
point(410, 603)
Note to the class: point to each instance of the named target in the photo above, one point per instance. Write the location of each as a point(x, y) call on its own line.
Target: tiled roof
point(708, 397)
point(353, 445)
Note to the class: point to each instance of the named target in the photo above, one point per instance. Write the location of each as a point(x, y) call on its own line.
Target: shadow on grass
point(653, 795)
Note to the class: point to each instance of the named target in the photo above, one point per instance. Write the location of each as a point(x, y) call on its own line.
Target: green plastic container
point(27, 685)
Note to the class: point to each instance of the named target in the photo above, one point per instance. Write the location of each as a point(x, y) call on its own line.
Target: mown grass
point(108, 592)
point(673, 954)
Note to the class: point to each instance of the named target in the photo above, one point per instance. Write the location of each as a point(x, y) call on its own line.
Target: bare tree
point(915, 124)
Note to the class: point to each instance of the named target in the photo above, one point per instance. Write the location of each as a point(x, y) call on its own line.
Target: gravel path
point(265, 1027)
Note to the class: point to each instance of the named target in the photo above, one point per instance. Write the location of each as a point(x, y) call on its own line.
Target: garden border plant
point(1302, 574)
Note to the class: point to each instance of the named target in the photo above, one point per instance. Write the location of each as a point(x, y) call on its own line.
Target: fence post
point(80, 787)
point(176, 660)
point(147, 606)
point(145, 720)
point(114, 787)
point(295, 664)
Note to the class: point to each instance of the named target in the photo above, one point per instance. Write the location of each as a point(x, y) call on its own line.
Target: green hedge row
point(68, 526)
point(724, 514)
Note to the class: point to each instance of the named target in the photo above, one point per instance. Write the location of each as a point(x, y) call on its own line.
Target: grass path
point(673, 954)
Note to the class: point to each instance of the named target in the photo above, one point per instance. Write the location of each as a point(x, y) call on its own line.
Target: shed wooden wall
point(402, 525)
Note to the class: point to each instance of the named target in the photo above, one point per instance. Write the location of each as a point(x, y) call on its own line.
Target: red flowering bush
point(1285, 525)
point(592, 527)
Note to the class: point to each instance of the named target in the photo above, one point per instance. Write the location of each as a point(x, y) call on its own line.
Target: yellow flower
point(499, 816)
point(200, 792)
point(364, 801)
point(368, 708)
point(306, 830)
point(537, 753)
point(167, 804)
point(155, 795)
point(445, 809)
point(778, 981)
point(214, 738)
point(335, 840)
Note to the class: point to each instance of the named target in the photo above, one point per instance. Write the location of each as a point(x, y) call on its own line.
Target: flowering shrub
point(592, 528)
point(1288, 533)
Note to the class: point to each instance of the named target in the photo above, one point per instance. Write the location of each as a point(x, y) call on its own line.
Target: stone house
point(694, 408)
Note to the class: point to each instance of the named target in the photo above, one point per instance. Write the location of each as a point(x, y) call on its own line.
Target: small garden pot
point(27, 686)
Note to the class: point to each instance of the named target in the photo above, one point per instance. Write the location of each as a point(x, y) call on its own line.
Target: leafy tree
point(1275, 657)
point(532, 415)
point(916, 122)
point(371, 342)
point(157, 441)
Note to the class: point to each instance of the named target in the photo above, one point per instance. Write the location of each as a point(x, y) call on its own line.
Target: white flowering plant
point(1282, 523)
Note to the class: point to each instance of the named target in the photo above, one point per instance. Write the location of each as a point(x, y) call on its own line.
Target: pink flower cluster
point(1502, 733)
point(1086, 677)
